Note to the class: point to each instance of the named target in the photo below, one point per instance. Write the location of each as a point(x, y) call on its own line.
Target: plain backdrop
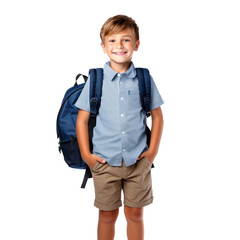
point(192, 51)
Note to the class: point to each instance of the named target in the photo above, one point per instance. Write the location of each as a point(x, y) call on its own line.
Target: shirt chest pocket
point(133, 98)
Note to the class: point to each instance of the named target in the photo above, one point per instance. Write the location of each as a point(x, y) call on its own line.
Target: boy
point(120, 158)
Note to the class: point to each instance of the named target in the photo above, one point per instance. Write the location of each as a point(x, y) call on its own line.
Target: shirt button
point(120, 82)
point(122, 114)
point(119, 75)
point(124, 150)
point(123, 132)
point(121, 98)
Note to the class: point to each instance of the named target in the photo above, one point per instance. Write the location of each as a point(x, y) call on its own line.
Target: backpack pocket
point(72, 155)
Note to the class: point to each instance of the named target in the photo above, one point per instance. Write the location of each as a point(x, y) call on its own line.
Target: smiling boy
point(119, 48)
point(120, 160)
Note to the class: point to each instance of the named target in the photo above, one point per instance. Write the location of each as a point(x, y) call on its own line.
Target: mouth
point(119, 53)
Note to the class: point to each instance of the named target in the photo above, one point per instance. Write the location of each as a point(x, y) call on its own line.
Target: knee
point(108, 216)
point(134, 214)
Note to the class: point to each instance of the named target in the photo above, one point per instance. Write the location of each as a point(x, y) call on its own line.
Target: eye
point(111, 40)
point(126, 40)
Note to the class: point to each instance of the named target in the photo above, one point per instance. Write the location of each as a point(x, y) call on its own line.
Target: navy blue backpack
point(67, 115)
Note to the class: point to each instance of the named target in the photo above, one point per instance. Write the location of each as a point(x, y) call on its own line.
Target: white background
point(192, 50)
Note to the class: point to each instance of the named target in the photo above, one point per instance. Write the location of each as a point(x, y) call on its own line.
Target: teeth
point(119, 53)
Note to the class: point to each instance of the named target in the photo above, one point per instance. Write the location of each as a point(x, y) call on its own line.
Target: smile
point(119, 53)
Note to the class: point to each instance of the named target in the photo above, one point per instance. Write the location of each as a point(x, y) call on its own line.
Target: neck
point(120, 68)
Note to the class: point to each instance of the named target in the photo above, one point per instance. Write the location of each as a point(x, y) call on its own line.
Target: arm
point(83, 139)
point(156, 133)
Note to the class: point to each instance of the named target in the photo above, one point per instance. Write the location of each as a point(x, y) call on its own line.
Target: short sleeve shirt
point(120, 125)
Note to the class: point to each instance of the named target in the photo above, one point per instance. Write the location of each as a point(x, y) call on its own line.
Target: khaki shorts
point(135, 181)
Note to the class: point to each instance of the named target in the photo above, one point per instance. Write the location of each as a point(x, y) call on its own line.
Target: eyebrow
point(122, 36)
point(126, 36)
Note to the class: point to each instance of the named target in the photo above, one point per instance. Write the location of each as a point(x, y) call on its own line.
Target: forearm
point(83, 138)
point(156, 131)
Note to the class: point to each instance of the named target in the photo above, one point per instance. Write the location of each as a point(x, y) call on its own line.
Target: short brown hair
point(118, 23)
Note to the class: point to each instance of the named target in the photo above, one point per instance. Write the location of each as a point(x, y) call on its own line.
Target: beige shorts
point(135, 180)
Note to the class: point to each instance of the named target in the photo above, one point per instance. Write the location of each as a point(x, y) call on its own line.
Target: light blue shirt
point(120, 125)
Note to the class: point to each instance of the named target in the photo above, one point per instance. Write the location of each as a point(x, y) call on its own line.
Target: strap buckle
point(93, 106)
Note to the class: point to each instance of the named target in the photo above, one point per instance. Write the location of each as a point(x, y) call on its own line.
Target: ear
point(103, 47)
point(137, 45)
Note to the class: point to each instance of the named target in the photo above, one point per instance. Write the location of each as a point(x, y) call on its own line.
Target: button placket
point(122, 111)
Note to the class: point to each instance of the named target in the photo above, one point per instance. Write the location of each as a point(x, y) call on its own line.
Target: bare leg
point(135, 229)
point(106, 224)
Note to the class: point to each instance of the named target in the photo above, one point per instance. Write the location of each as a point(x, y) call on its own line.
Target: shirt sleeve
point(83, 101)
point(156, 99)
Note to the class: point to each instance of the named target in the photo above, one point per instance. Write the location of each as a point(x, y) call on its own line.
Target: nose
point(119, 44)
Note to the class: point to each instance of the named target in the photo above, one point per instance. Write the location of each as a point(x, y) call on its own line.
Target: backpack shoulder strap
point(96, 80)
point(144, 83)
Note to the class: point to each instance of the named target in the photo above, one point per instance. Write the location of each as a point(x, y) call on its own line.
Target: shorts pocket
point(148, 163)
point(97, 167)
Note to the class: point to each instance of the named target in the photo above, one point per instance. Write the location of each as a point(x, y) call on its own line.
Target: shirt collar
point(111, 74)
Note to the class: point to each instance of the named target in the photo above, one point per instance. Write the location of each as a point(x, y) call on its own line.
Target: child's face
point(120, 47)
